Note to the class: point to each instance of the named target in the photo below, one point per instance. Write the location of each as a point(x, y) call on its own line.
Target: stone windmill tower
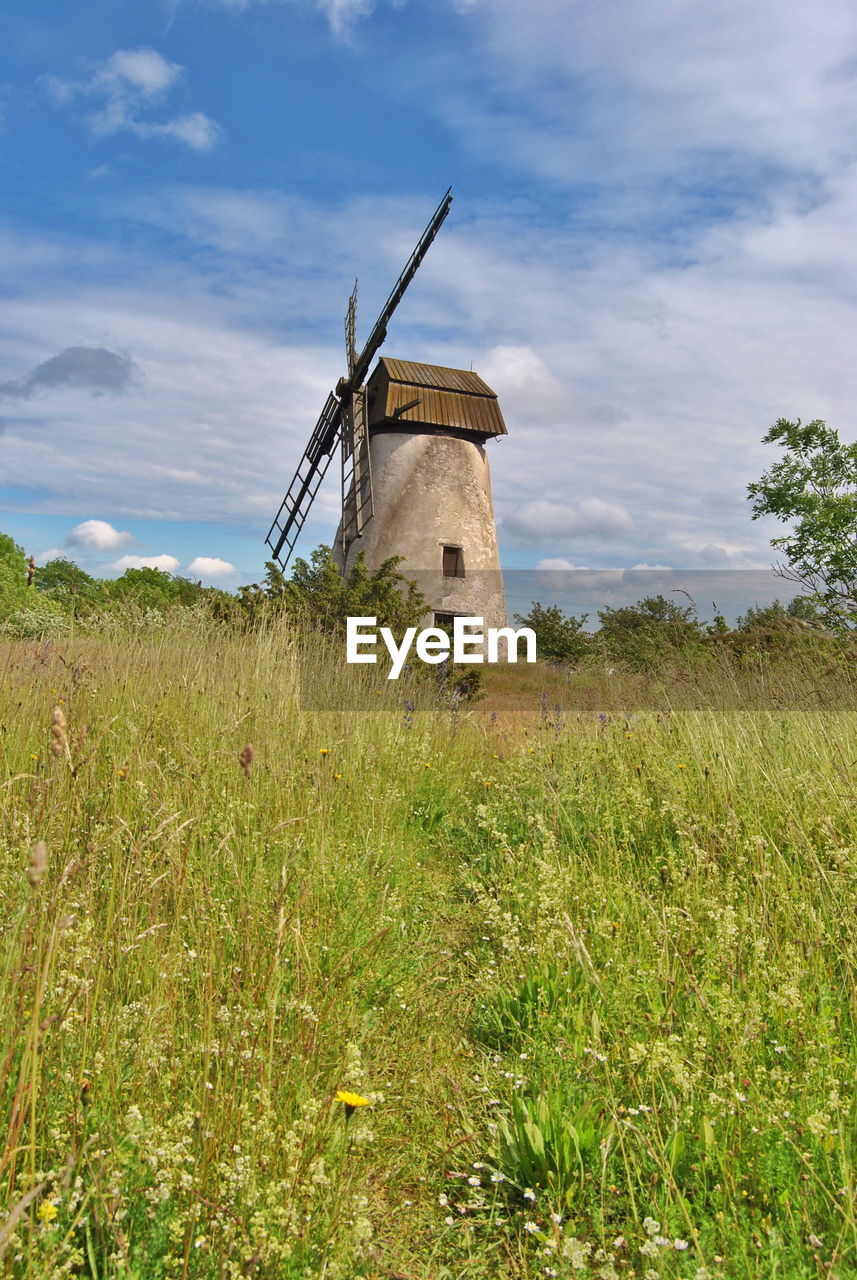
point(415, 476)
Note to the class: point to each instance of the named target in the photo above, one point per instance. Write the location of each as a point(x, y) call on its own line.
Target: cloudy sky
point(651, 257)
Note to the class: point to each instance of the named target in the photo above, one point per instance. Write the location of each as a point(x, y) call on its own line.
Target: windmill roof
point(435, 375)
point(456, 398)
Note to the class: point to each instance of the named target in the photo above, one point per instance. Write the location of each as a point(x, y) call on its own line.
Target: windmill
point(343, 421)
point(415, 476)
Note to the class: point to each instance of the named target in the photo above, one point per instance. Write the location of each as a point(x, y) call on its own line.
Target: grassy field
point(593, 976)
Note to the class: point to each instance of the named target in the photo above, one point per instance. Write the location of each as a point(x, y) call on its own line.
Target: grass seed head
point(245, 759)
point(38, 863)
point(59, 738)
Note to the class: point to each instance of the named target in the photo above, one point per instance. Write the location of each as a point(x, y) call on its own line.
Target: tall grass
point(596, 979)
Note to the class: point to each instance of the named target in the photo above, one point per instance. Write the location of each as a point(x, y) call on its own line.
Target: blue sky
point(650, 257)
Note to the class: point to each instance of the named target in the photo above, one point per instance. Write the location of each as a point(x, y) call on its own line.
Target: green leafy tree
point(65, 581)
point(814, 488)
point(559, 636)
point(799, 612)
point(318, 597)
point(644, 633)
point(13, 575)
point(151, 589)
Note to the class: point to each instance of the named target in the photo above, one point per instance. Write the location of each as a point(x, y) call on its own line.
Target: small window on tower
point(453, 562)
point(444, 621)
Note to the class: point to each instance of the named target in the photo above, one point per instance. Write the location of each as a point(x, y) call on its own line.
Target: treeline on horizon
point(54, 599)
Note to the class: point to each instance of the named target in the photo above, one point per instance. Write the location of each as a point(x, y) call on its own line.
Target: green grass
point(596, 982)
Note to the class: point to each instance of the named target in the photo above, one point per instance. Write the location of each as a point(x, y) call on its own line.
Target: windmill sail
point(294, 508)
point(344, 416)
point(379, 333)
point(357, 500)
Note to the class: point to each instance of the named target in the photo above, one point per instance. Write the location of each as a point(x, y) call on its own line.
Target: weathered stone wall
point(433, 491)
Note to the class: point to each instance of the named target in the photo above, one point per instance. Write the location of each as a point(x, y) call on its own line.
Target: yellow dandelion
point(33, 755)
point(337, 775)
point(324, 751)
point(682, 766)
point(47, 1211)
point(351, 1101)
point(426, 765)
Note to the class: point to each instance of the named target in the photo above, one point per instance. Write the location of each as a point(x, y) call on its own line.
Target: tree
point(559, 636)
point(800, 612)
point(151, 589)
point(318, 597)
point(642, 634)
point(65, 581)
point(13, 575)
point(814, 486)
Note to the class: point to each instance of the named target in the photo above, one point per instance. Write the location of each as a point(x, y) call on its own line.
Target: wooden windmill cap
point(430, 395)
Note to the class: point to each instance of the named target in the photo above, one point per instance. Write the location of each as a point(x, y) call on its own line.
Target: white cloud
point(97, 535)
point(635, 90)
point(168, 564)
point(209, 567)
point(126, 91)
point(551, 563)
point(540, 521)
point(196, 130)
point(55, 553)
point(143, 69)
point(341, 14)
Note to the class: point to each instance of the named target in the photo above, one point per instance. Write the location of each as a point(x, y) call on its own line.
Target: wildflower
point(651, 1226)
point(324, 751)
point(245, 759)
point(47, 1211)
point(681, 1245)
point(351, 1101)
point(529, 1194)
point(531, 1227)
point(682, 766)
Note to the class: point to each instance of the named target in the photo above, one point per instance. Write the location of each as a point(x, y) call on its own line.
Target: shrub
point(559, 636)
point(645, 633)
